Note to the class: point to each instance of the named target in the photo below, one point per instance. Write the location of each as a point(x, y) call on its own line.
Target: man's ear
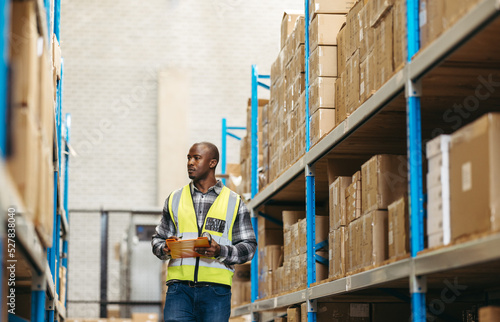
point(213, 164)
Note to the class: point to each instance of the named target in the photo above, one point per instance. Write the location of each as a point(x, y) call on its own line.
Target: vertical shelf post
point(310, 181)
point(224, 148)
point(4, 56)
point(415, 182)
point(4, 42)
point(254, 180)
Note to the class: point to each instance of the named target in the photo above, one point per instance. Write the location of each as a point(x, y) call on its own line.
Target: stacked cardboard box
point(270, 250)
point(359, 312)
point(371, 47)
point(338, 224)
point(475, 177)
point(359, 233)
point(438, 16)
point(246, 147)
point(295, 260)
point(399, 229)
point(327, 20)
point(33, 76)
point(241, 288)
point(384, 181)
point(438, 191)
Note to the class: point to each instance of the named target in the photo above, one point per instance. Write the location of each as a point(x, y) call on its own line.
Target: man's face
point(200, 162)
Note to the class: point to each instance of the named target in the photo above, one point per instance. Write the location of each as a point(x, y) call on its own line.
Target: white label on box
point(316, 5)
point(330, 254)
point(423, 15)
point(391, 238)
point(362, 88)
point(359, 310)
point(466, 176)
point(360, 35)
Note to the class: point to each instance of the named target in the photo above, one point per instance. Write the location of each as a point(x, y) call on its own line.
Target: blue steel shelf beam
point(225, 134)
point(255, 164)
point(414, 145)
point(271, 219)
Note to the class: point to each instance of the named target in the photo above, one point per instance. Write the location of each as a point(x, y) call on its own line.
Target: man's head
point(203, 158)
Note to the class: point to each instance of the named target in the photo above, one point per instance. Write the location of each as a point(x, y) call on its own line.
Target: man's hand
point(212, 251)
point(166, 250)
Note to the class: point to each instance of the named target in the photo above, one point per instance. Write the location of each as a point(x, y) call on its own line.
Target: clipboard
point(183, 248)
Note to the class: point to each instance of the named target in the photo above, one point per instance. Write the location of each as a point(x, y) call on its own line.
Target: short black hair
point(214, 151)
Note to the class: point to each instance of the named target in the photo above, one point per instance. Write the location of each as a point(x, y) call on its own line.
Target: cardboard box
point(400, 34)
point(475, 177)
point(384, 181)
point(299, 33)
point(366, 32)
point(322, 122)
point(432, 21)
point(366, 78)
point(374, 238)
point(24, 56)
point(340, 100)
point(303, 236)
point(23, 163)
point(336, 254)
point(399, 228)
point(328, 6)
point(323, 62)
point(303, 312)
point(353, 29)
point(379, 10)
point(44, 218)
point(299, 60)
point(384, 50)
point(290, 217)
point(352, 83)
point(273, 257)
point(242, 273)
point(299, 86)
point(489, 314)
point(288, 23)
point(438, 187)
point(275, 71)
point(293, 314)
point(338, 202)
point(144, 317)
point(322, 95)
point(435, 240)
point(321, 270)
point(341, 50)
point(322, 228)
point(353, 198)
point(343, 312)
point(324, 29)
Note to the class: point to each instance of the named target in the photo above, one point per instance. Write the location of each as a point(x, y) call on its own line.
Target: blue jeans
point(197, 304)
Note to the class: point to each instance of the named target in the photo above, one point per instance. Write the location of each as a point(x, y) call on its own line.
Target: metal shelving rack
point(42, 263)
point(406, 97)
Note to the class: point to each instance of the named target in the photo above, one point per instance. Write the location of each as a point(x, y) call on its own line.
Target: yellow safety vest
point(219, 223)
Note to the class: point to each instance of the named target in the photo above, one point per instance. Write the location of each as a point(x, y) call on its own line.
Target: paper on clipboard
point(185, 248)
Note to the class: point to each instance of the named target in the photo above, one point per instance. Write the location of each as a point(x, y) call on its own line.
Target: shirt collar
point(217, 188)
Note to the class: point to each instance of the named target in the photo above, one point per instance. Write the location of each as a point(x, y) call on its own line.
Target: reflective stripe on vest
point(219, 223)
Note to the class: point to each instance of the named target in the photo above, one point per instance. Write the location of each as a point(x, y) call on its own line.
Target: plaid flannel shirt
point(244, 242)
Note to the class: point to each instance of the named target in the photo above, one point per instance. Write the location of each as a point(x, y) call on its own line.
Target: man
point(199, 288)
